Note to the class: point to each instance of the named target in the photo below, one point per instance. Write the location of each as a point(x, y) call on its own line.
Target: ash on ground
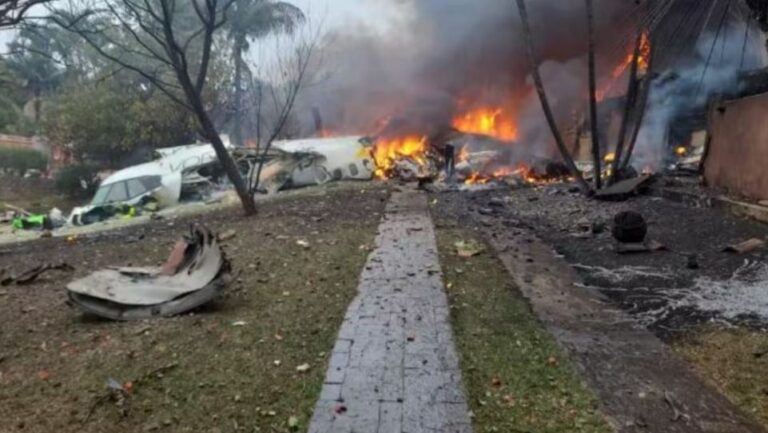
point(692, 282)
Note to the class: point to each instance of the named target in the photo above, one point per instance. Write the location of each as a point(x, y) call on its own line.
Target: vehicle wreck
point(196, 272)
point(193, 173)
point(179, 172)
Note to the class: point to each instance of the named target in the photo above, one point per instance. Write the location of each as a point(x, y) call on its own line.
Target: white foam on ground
point(745, 293)
point(623, 273)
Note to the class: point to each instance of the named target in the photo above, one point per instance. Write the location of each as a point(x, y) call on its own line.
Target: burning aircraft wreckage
point(478, 124)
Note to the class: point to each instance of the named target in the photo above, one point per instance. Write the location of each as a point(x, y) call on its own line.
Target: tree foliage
point(104, 125)
point(77, 181)
point(250, 20)
point(22, 160)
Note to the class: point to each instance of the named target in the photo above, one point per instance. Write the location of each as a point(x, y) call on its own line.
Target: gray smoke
point(687, 90)
point(450, 52)
point(453, 52)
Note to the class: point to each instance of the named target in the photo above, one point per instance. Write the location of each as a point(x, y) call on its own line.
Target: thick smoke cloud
point(449, 55)
point(685, 90)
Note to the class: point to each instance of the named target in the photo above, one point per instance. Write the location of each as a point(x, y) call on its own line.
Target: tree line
point(111, 79)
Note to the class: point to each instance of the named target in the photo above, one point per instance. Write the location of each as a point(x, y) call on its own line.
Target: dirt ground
point(230, 367)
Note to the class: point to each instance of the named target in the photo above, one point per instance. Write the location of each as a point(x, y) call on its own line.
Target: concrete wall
point(16, 142)
point(737, 158)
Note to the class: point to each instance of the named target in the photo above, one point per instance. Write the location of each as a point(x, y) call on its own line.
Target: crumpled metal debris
point(196, 272)
point(745, 247)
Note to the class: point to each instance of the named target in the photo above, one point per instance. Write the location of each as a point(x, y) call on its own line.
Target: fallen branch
point(120, 394)
point(31, 275)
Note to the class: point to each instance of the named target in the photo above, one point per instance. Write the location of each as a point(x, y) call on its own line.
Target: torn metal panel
point(300, 163)
point(160, 180)
point(340, 158)
point(182, 284)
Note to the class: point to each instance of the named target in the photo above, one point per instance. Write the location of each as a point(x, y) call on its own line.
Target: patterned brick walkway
point(394, 368)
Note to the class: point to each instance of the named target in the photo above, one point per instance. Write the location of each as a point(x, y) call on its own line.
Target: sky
point(380, 15)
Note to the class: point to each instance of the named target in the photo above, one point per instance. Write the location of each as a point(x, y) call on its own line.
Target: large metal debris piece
point(185, 282)
point(626, 189)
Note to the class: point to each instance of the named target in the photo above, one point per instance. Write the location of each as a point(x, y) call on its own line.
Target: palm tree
point(250, 20)
point(36, 59)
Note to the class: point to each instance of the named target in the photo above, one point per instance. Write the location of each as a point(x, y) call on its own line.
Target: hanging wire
point(747, 31)
point(712, 49)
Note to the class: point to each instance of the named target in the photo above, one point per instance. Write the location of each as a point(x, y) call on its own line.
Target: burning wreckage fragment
point(196, 272)
point(463, 158)
point(192, 173)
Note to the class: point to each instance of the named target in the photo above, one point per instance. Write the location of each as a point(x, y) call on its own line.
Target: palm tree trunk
point(594, 121)
point(237, 133)
point(642, 107)
point(545, 101)
point(629, 108)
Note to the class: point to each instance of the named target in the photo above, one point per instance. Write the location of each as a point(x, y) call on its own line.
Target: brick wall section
point(18, 142)
point(738, 147)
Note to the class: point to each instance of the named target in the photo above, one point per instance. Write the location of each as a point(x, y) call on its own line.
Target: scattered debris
point(303, 368)
point(143, 293)
point(227, 235)
point(629, 227)
point(120, 393)
point(31, 275)
point(745, 247)
point(626, 189)
point(640, 247)
point(467, 249)
point(676, 414)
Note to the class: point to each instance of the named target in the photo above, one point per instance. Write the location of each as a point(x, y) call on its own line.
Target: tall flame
point(491, 121)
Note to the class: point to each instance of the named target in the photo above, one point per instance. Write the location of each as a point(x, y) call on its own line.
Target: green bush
point(22, 160)
point(77, 181)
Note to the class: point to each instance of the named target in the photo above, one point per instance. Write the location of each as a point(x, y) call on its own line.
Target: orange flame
point(494, 122)
point(325, 133)
point(642, 65)
point(386, 152)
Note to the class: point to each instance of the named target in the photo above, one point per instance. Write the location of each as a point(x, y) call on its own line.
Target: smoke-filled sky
point(424, 59)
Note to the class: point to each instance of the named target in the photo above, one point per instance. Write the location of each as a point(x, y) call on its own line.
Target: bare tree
point(169, 44)
point(12, 11)
point(564, 152)
point(594, 120)
point(286, 74)
point(629, 107)
point(641, 107)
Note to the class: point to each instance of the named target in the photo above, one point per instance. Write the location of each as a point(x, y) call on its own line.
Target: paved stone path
point(394, 368)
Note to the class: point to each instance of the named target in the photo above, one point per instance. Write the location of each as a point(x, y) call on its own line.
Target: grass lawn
point(735, 361)
point(231, 367)
point(517, 378)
